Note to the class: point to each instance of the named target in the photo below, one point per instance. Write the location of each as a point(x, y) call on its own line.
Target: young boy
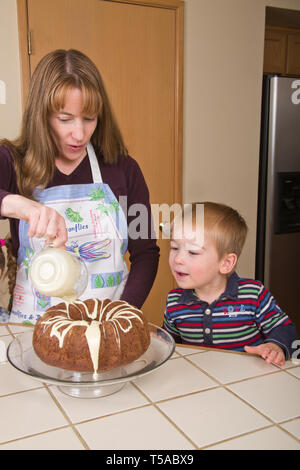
point(212, 305)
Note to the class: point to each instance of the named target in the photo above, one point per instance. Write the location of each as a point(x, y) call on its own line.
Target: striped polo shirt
point(245, 314)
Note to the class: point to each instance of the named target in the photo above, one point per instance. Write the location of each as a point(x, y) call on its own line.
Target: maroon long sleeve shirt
point(125, 179)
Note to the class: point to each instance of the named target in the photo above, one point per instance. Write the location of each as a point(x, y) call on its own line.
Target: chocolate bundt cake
point(91, 335)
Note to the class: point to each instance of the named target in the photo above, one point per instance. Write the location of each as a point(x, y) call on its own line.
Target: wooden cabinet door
point(293, 54)
point(275, 51)
point(137, 47)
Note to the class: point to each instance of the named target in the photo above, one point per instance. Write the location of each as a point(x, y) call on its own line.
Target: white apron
point(97, 231)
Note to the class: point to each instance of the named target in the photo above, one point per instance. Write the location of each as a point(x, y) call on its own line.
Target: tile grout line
point(190, 353)
point(274, 423)
point(290, 373)
point(181, 432)
point(236, 396)
point(224, 386)
point(247, 433)
point(220, 385)
point(227, 384)
point(113, 413)
point(176, 426)
point(6, 334)
point(3, 325)
point(76, 432)
point(289, 367)
point(288, 432)
point(154, 404)
point(234, 381)
point(20, 392)
point(28, 436)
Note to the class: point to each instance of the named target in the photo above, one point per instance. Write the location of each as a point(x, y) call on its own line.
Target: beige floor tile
point(28, 413)
point(212, 416)
point(83, 409)
point(275, 395)
point(290, 364)
point(4, 342)
point(183, 378)
point(15, 329)
point(61, 439)
point(295, 371)
point(174, 355)
point(293, 427)
point(147, 429)
point(267, 439)
point(227, 367)
point(13, 381)
point(184, 351)
point(3, 330)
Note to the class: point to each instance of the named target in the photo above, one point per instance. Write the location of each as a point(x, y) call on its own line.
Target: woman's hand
point(43, 221)
point(271, 352)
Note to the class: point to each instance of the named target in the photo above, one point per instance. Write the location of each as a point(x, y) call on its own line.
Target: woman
point(61, 181)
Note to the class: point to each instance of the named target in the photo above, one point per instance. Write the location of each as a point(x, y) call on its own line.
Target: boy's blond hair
point(225, 226)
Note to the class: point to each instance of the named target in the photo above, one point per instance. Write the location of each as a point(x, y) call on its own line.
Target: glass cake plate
point(21, 355)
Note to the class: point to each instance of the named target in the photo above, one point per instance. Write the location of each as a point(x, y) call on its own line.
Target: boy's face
point(194, 264)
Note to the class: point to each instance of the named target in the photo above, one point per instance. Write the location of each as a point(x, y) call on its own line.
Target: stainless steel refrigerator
point(278, 223)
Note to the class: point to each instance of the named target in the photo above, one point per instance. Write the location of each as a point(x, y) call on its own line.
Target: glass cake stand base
point(21, 355)
point(86, 385)
point(90, 392)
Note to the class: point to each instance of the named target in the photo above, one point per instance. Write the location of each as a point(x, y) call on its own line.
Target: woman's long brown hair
point(35, 150)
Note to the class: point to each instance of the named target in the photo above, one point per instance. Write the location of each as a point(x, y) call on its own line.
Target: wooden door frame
point(178, 7)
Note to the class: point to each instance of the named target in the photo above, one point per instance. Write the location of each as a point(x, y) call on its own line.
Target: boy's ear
point(228, 263)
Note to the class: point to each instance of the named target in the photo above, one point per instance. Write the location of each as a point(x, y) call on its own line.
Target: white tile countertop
point(199, 399)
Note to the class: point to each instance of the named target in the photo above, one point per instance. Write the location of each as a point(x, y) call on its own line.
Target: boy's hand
point(271, 352)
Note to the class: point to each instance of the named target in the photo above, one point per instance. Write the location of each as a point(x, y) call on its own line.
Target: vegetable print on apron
point(97, 231)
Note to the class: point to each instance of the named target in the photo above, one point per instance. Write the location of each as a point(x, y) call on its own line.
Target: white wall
point(224, 45)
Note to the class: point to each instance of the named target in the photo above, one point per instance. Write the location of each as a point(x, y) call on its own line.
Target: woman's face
point(72, 129)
